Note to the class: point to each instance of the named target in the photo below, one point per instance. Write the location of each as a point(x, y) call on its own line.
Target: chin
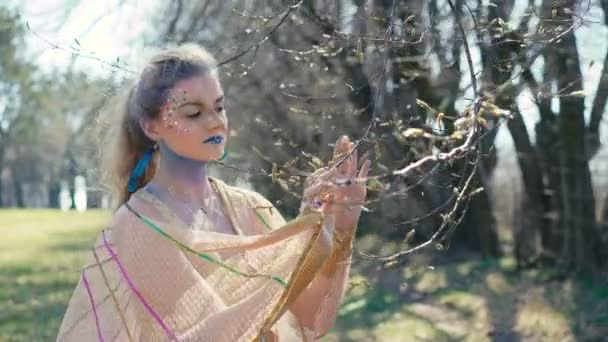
point(212, 156)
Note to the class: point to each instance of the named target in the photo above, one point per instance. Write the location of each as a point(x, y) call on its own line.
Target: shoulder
point(125, 216)
point(122, 216)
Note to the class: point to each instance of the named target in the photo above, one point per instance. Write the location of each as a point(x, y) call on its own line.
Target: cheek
point(174, 126)
point(181, 128)
point(169, 119)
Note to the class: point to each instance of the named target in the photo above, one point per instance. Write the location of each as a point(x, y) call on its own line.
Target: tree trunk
point(480, 215)
point(54, 189)
point(603, 226)
point(20, 198)
point(531, 221)
point(479, 223)
point(580, 241)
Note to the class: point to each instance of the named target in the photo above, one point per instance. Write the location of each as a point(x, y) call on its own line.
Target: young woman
point(187, 257)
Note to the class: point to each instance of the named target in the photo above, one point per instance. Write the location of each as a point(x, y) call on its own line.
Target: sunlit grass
point(41, 252)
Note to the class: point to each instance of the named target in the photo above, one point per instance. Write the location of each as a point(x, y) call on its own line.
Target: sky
point(99, 31)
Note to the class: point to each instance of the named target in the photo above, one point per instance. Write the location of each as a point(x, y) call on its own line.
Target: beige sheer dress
point(156, 279)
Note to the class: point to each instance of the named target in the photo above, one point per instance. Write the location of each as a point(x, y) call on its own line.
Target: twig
point(77, 52)
point(440, 156)
point(391, 259)
point(466, 47)
point(263, 40)
point(380, 85)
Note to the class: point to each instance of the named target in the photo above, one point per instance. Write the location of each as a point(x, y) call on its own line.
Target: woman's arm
point(341, 191)
point(317, 307)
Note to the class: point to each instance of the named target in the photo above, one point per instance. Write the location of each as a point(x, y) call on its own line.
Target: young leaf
point(577, 93)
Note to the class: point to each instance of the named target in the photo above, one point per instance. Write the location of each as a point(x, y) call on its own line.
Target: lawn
point(42, 250)
point(40, 254)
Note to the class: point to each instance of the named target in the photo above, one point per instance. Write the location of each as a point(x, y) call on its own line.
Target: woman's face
point(193, 122)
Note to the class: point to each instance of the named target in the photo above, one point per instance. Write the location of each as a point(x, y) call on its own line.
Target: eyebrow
point(218, 100)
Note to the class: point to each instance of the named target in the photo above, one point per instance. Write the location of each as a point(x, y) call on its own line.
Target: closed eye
point(197, 114)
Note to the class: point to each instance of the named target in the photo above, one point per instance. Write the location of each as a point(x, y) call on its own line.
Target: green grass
point(41, 252)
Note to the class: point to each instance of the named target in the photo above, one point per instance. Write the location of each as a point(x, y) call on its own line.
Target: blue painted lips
point(214, 140)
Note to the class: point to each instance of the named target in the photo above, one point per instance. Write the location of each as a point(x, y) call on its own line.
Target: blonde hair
point(122, 140)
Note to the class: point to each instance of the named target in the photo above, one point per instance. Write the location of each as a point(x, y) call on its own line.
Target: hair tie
point(140, 168)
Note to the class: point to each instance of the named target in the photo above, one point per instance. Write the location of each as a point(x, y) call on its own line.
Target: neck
point(182, 176)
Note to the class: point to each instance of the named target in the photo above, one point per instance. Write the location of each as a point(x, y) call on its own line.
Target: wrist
point(345, 230)
point(343, 239)
point(341, 252)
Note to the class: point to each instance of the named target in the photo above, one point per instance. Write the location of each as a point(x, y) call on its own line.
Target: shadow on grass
point(33, 302)
point(34, 293)
point(584, 302)
point(497, 287)
point(377, 308)
point(468, 298)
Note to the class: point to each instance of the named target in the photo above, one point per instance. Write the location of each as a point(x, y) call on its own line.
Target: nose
point(216, 121)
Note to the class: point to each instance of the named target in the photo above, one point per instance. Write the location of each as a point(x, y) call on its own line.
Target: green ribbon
point(202, 255)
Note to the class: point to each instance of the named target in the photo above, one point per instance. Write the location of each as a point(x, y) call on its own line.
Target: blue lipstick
point(214, 140)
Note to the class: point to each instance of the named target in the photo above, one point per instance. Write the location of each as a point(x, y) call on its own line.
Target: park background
point(524, 256)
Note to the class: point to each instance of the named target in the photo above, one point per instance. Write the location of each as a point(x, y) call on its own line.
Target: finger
point(330, 174)
point(337, 147)
point(365, 156)
point(353, 164)
point(341, 148)
point(322, 173)
point(314, 176)
point(328, 207)
point(345, 167)
point(364, 169)
point(326, 176)
point(317, 189)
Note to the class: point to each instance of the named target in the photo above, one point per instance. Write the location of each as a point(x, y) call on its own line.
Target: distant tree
point(15, 81)
point(44, 119)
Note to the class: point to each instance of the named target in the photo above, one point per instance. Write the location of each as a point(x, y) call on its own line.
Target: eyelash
point(197, 114)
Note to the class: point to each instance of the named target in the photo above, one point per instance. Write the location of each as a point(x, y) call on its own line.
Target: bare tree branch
point(257, 45)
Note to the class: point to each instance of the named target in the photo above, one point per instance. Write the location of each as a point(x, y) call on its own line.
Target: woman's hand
point(339, 190)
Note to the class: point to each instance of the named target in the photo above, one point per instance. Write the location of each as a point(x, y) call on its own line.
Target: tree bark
point(580, 241)
point(531, 223)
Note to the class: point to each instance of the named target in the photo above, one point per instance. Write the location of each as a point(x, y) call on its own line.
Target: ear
point(151, 128)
